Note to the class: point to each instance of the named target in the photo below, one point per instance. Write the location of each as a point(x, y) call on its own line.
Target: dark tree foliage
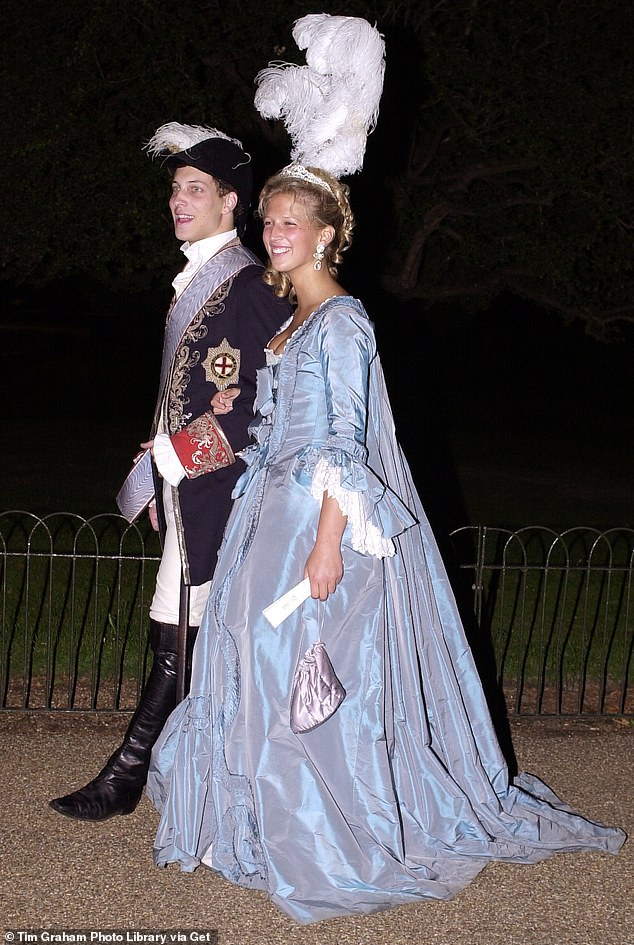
point(84, 87)
point(502, 158)
point(516, 171)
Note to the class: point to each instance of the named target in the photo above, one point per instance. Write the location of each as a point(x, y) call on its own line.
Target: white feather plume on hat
point(330, 105)
point(173, 138)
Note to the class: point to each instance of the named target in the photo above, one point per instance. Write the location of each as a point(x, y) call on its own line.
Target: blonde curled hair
point(325, 205)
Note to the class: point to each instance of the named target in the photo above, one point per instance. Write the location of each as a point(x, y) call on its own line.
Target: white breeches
point(165, 603)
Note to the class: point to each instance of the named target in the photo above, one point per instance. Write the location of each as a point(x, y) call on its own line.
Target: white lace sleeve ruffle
point(365, 536)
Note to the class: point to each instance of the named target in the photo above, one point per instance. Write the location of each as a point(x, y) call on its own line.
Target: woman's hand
point(222, 400)
point(324, 566)
point(324, 569)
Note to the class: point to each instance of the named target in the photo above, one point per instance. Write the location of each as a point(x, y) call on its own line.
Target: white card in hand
point(287, 603)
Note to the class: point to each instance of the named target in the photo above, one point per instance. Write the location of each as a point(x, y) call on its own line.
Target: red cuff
point(202, 446)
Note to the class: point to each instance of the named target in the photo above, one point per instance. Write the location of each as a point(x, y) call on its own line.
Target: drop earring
point(318, 256)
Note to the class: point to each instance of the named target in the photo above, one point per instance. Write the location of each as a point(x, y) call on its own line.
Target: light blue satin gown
point(403, 794)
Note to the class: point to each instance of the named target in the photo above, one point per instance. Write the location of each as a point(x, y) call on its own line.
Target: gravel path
point(61, 874)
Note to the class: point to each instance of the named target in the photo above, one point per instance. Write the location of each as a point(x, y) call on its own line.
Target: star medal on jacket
point(222, 365)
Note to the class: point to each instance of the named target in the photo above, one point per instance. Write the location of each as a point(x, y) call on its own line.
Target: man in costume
point(220, 320)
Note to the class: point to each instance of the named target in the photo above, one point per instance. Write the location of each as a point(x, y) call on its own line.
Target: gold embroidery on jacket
point(186, 359)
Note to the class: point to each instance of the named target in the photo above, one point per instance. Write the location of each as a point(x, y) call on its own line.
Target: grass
point(557, 611)
point(74, 608)
point(554, 610)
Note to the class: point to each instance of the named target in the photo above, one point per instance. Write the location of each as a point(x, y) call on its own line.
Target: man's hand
point(153, 515)
point(222, 401)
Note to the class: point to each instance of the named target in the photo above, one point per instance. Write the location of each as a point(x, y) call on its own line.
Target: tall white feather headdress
point(330, 105)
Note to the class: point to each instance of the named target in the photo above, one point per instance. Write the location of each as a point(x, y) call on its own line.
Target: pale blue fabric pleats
point(403, 794)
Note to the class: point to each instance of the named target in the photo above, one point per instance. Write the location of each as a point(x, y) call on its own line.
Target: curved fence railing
point(550, 615)
point(555, 612)
point(74, 596)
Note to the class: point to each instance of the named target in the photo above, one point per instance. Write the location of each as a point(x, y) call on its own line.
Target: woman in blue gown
point(403, 793)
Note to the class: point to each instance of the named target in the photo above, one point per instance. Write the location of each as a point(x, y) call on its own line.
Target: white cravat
point(198, 254)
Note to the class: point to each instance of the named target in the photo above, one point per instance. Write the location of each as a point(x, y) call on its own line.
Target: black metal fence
point(552, 612)
point(555, 611)
point(74, 597)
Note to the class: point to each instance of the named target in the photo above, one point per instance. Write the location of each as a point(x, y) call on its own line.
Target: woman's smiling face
point(289, 235)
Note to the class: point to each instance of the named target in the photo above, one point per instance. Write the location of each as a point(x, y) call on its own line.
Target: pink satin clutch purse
point(317, 692)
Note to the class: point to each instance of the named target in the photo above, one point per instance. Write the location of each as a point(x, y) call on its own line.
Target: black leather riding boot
point(118, 787)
